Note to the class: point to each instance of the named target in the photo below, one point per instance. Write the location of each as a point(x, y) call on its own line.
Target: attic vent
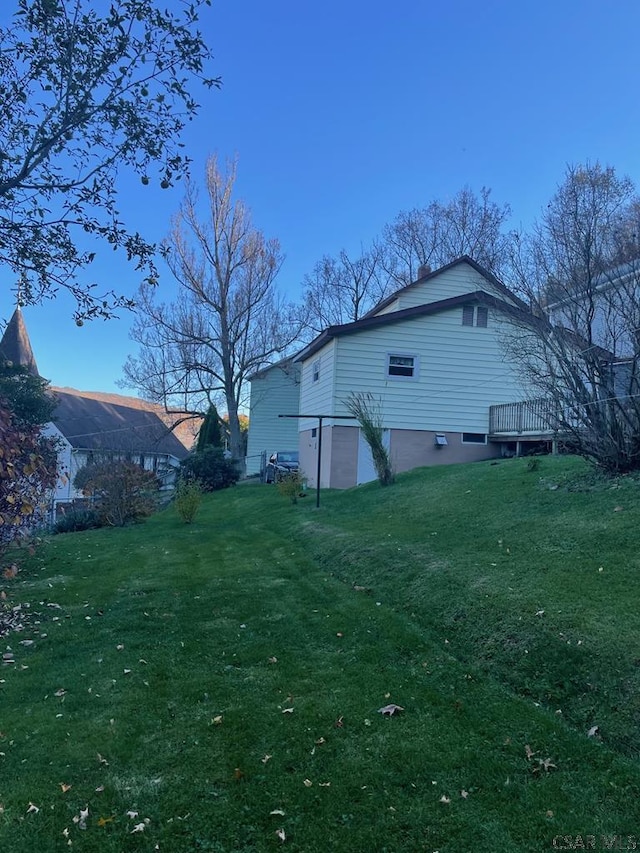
point(423, 269)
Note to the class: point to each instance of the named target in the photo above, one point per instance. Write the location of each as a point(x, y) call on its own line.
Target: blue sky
point(345, 112)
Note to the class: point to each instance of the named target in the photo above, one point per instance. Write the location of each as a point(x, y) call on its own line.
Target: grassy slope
point(457, 562)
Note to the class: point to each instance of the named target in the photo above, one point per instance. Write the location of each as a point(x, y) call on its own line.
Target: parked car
point(280, 464)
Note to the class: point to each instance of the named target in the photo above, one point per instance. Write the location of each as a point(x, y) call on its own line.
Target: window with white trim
point(402, 366)
point(475, 315)
point(316, 370)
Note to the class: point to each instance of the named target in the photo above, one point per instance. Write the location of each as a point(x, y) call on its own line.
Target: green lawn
point(216, 687)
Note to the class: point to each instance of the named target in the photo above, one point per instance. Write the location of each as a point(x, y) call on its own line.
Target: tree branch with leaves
point(84, 93)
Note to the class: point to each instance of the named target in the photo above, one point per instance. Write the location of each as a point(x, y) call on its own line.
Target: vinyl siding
point(274, 392)
point(453, 282)
point(462, 371)
point(316, 398)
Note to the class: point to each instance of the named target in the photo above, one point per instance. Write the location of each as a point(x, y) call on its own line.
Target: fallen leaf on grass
point(445, 799)
point(33, 809)
point(544, 764)
point(287, 710)
point(103, 821)
point(217, 720)
point(281, 834)
point(65, 787)
point(277, 811)
point(593, 731)
point(529, 752)
point(60, 692)
point(338, 723)
point(307, 783)
point(464, 794)
point(324, 784)
point(390, 710)
point(132, 814)
point(265, 759)
point(102, 760)
point(321, 740)
point(99, 789)
point(272, 660)
point(140, 827)
point(238, 774)
point(81, 819)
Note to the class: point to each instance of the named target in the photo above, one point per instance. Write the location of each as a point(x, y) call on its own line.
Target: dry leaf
point(99, 789)
point(33, 809)
point(81, 819)
point(320, 741)
point(139, 827)
point(60, 692)
point(265, 759)
point(102, 760)
point(464, 794)
point(593, 731)
point(103, 821)
point(617, 509)
point(549, 813)
point(287, 710)
point(238, 774)
point(132, 814)
point(307, 783)
point(273, 660)
point(324, 784)
point(529, 752)
point(217, 720)
point(544, 764)
point(120, 647)
point(338, 723)
point(277, 811)
point(280, 833)
point(390, 710)
point(65, 787)
point(445, 799)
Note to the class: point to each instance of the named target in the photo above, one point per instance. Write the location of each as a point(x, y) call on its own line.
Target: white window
point(316, 370)
point(401, 366)
point(475, 316)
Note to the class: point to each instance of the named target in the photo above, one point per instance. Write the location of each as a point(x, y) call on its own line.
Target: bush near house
point(122, 491)
point(210, 467)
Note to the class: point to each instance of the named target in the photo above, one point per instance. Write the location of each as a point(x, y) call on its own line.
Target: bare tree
point(580, 272)
point(86, 89)
point(227, 321)
point(341, 290)
point(437, 234)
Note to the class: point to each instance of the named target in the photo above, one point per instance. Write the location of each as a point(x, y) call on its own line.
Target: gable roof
point(15, 345)
point(91, 424)
point(463, 259)
point(476, 297)
point(184, 425)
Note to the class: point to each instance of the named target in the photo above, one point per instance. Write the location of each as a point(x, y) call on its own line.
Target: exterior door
point(366, 469)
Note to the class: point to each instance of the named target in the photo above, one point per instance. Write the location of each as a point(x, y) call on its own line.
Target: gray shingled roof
point(90, 424)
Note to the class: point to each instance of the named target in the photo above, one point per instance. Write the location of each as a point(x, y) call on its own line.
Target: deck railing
point(527, 416)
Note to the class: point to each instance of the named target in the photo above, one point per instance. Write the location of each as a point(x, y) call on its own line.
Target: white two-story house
point(432, 357)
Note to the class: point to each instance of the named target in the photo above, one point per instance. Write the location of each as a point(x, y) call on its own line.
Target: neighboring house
point(275, 391)
point(431, 354)
point(91, 426)
point(91, 430)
